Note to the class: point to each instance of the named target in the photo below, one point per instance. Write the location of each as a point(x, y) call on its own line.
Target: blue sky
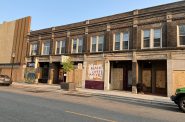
point(49, 13)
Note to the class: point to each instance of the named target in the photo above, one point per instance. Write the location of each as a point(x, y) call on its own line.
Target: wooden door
point(161, 82)
point(147, 80)
point(117, 79)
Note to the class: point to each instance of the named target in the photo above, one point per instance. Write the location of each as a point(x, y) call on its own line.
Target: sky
point(50, 13)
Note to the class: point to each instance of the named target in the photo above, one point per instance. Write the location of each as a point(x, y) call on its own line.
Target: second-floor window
point(152, 38)
point(33, 49)
point(77, 45)
point(181, 40)
point(97, 43)
point(60, 47)
point(121, 40)
point(46, 48)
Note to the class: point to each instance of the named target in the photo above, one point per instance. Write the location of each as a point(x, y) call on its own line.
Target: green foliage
point(68, 65)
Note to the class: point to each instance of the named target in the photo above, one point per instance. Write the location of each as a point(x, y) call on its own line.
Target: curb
point(127, 99)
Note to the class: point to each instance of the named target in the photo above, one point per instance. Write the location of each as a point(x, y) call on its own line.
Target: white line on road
point(85, 115)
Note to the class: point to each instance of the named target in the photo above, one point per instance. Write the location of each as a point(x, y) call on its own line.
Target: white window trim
point(97, 43)
point(43, 47)
point(77, 43)
point(121, 41)
point(178, 39)
point(59, 46)
point(151, 39)
point(31, 45)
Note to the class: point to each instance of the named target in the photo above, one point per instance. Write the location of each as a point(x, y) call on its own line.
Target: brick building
point(116, 52)
point(13, 37)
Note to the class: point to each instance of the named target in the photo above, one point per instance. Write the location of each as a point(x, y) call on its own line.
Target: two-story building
point(116, 52)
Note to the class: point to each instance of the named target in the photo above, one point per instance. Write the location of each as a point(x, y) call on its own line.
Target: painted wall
point(6, 41)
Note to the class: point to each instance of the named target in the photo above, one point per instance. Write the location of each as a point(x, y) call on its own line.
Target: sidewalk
point(118, 95)
point(128, 96)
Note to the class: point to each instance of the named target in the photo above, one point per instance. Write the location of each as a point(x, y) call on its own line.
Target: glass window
point(117, 41)
point(100, 43)
point(146, 39)
point(74, 45)
point(63, 47)
point(46, 48)
point(125, 40)
point(58, 47)
point(33, 49)
point(93, 44)
point(182, 35)
point(157, 37)
point(80, 45)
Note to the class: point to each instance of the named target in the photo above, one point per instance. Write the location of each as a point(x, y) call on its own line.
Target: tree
point(67, 65)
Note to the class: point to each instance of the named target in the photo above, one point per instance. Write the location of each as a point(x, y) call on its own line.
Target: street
point(27, 105)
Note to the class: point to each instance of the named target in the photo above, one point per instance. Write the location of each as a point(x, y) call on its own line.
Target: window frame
point(31, 47)
point(152, 37)
point(97, 43)
point(60, 46)
point(77, 45)
point(121, 40)
point(43, 43)
point(178, 36)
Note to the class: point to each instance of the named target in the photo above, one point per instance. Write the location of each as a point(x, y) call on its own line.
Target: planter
point(70, 86)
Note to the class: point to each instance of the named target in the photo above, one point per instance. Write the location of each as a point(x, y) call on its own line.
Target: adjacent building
point(13, 37)
point(145, 46)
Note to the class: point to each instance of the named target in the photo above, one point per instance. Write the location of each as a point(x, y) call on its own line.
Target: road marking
point(85, 115)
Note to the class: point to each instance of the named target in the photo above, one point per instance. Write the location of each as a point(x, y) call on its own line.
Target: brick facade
point(166, 17)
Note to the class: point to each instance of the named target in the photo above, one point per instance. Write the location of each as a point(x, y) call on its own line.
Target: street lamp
point(13, 57)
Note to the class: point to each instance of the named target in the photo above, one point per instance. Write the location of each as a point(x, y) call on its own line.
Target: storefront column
point(134, 73)
point(37, 70)
point(107, 75)
point(51, 73)
point(169, 77)
point(84, 74)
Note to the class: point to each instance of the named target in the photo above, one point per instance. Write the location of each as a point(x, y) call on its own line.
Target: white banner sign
point(95, 71)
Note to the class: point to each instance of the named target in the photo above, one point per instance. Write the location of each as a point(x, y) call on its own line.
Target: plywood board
point(78, 77)
point(178, 79)
point(146, 77)
point(161, 79)
point(117, 78)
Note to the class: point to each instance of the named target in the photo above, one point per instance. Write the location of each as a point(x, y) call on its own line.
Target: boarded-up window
point(178, 79)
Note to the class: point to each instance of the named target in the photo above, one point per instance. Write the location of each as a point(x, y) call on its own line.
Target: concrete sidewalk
point(152, 99)
point(118, 95)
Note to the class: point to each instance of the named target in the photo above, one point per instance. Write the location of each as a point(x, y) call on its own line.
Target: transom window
point(46, 48)
point(181, 35)
point(152, 38)
point(33, 49)
point(77, 45)
point(97, 43)
point(60, 47)
point(121, 40)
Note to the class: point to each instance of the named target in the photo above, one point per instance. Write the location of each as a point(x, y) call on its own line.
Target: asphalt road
point(18, 105)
